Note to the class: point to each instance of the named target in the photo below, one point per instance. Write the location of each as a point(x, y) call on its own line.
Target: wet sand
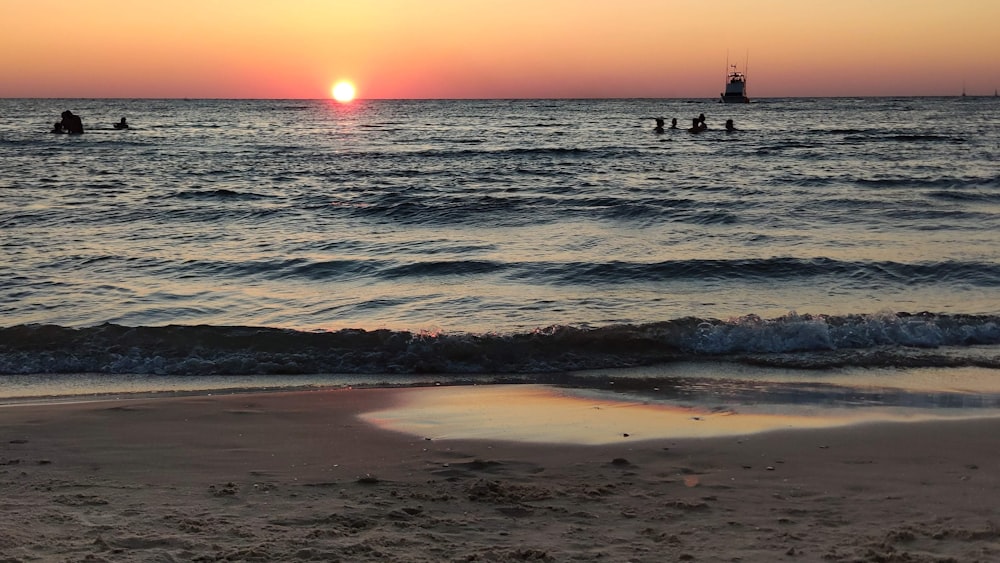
point(304, 477)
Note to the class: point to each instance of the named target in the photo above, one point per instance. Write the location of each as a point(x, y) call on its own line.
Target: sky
point(413, 49)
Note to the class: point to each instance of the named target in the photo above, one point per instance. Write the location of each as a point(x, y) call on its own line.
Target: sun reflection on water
point(544, 414)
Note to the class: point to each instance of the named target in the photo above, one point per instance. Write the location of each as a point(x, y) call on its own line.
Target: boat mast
point(746, 72)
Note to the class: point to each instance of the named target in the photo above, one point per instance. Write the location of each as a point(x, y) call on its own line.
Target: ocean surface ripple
point(499, 236)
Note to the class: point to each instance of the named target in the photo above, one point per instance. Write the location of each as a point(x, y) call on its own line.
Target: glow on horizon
point(494, 48)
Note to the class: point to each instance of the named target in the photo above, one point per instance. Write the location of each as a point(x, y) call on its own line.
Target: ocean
point(255, 242)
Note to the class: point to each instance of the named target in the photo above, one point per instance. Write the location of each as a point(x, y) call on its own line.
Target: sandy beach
point(301, 476)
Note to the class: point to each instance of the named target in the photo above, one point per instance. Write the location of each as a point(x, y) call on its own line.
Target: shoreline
point(651, 379)
point(297, 476)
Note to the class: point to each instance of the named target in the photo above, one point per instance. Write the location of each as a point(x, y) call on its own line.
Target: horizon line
point(690, 98)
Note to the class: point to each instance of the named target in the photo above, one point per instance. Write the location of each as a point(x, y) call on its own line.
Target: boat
point(736, 87)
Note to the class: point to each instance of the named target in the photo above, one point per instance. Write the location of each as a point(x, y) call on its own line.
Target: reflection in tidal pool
point(545, 414)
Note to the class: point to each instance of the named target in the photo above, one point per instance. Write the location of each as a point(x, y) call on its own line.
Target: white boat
point(736, 87)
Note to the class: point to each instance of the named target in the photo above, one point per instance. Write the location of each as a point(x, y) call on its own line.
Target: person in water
point(121, 124)
point(697, 126)
point(701, 122)
point(57, 127)
point(673, 123)
point(659, 125)
point(730, 126)
point(72, 123)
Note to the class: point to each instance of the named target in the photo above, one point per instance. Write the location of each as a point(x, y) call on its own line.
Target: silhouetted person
point(57, 127)
point(121, 124)
point(659, 125)
point(696, 126)
point(701, 121)
point(673, 123)
point(730, 126)
point(72, 123)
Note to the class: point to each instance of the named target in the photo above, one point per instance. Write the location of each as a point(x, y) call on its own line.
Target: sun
point(343, 91)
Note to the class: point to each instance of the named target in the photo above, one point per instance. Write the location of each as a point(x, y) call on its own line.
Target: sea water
point(500, 240)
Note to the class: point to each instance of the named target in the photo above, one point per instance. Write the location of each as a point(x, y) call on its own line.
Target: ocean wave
point(929, 138)
point(601, 273)
point(857, 274)
point(950, 183)
point(874, 273)
point(611, 152)
point(803, 341)
point(869, 136)
point(443, 268)
point(222, 194)
point(974, 197)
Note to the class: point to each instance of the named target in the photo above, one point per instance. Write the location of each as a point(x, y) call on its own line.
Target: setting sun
point(343, 91)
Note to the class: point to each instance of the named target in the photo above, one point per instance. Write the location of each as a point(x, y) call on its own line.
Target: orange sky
point(495, 48)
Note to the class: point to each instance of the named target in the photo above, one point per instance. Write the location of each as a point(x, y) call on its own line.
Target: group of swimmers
point(71, 123)
point(697, 124)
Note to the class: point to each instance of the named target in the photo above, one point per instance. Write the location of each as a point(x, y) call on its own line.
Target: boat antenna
point(746, 75)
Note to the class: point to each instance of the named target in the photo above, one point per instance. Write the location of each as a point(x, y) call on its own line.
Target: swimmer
point(659, 125)
point(121, 124)
point(72, 123)
point(730, 126)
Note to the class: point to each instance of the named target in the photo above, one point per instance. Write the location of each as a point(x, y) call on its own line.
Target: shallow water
point(542, 414)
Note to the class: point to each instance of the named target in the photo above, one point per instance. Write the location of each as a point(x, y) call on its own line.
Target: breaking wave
point(801, 341)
